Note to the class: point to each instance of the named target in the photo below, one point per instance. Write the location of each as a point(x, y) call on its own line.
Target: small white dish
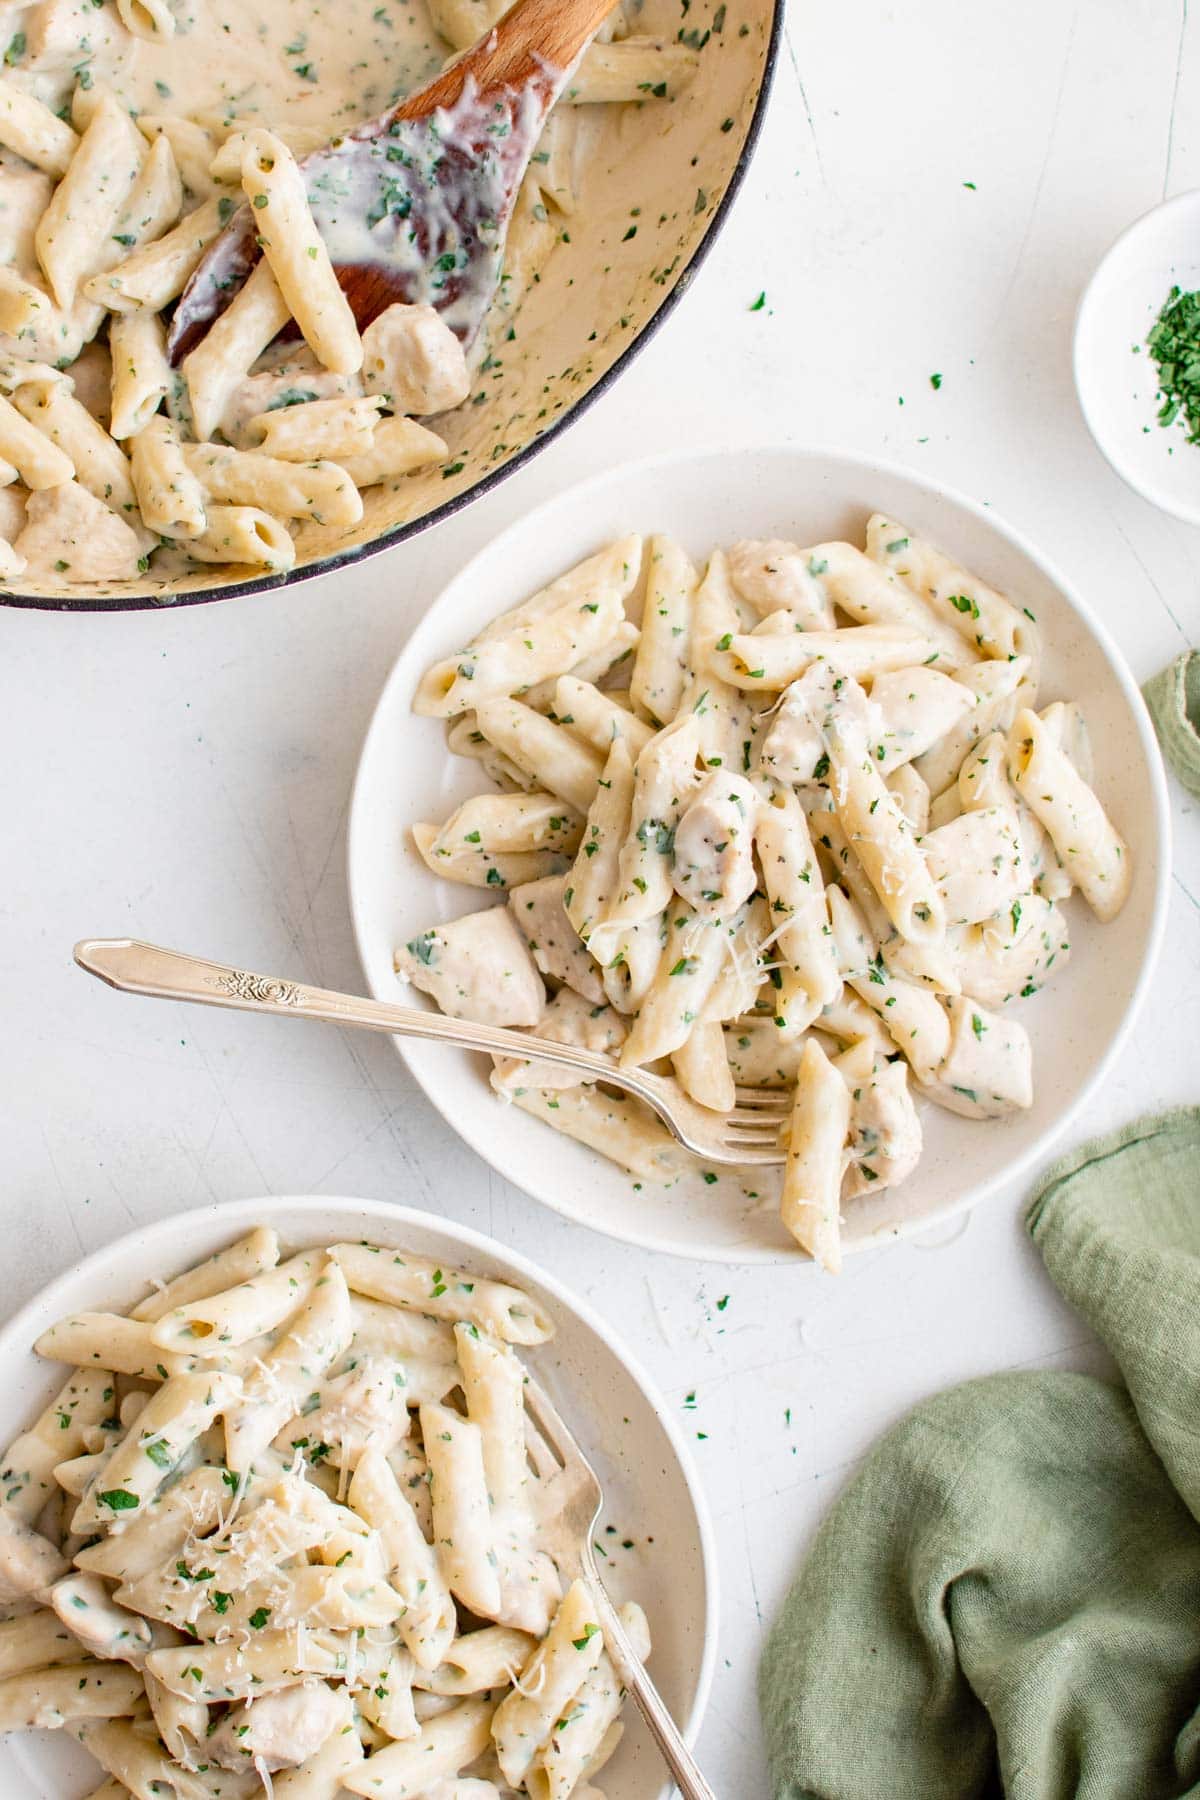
point(707, 498)
point(1115, 375)
point(651, 1491)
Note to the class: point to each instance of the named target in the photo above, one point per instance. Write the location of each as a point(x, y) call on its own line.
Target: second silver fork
point(579, 1498)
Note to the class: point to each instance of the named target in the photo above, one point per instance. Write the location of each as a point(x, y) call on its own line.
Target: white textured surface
point(185, 777)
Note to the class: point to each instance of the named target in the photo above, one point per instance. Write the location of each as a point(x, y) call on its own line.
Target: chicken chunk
point(918, 708)
point(55, 31)
point(569, 1019)
point(29, 1563)
point(24, 196)
point(988, 1070)
point(411, 356)
point(64, 524)
point(367, 1404)
point(714, 862)
point(793, 749)
point(885, 1132)
point(1012, 954)
point(771, 575)
point(477, 967)
point(12, 512)
point(290, 380)
point(537, 907)
point(976, 861)
point(280, 1730)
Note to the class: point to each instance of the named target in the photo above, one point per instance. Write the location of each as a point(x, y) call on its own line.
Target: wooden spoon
point(415, 205)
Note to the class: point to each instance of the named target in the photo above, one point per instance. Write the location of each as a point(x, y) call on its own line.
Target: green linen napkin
point(1006, 1599)
point(1174, 701)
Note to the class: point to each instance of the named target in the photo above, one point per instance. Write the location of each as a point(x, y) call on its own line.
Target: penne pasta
point(35, 132)
point(660, 667)
point(141, 377)
point(968, 605)
point(816, 1156)
point(550, 755)
point(74, 234)
point(318, 429)
point(178, 1413)
point(288, 490)
point(443, 1293)
point(169, 496)
point(822, 827)
point(281, 1380)
point(38, 460)
point(630, 70)
point(1090, 848)
point(572, 618)
point(550, 1680)
point(448, 1744)
point(157, 272)
point(427, 1623)
point(244, 534)
point(295, 252)
point(234, 1619)
point(231, 346)
point(398, 447)
point(27, 1470)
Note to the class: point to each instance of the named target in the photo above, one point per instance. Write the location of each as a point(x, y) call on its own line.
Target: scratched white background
point(184, 777)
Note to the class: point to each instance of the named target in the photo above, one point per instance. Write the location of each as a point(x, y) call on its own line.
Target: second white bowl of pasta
point(781, 769)
point(245, 1614)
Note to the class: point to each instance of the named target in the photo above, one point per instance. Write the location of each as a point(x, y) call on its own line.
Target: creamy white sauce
point(323, 64)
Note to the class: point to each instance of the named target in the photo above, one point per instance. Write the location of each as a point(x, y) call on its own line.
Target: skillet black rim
point(401, 533)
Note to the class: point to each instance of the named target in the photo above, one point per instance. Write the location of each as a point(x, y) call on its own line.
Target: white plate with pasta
point(229, 1555)
point(862, 724)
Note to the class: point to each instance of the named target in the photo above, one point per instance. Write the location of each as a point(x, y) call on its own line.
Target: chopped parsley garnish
point(119, 1500)
point(1174, 343)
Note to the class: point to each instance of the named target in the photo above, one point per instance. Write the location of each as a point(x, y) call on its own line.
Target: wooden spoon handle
point(536, 37)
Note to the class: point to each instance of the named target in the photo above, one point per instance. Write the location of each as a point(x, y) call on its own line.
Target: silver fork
point(579, 1498)
point(747, 1135)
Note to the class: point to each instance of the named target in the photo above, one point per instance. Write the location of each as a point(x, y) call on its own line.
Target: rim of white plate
point(417, 652)
point(277, 1210)
point(1088, 367)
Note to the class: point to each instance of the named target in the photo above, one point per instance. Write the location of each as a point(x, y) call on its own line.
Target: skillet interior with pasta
point(590, 265)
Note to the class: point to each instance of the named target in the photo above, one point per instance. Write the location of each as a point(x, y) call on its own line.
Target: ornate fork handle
point(139, 968)
point(684, 1770)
